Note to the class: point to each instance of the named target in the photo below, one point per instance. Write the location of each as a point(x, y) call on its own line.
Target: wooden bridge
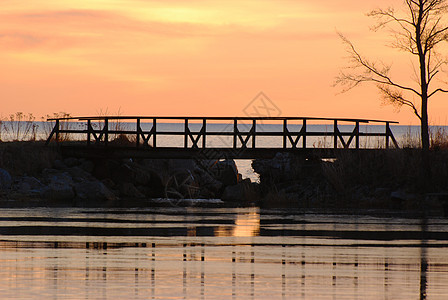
point(139, 137)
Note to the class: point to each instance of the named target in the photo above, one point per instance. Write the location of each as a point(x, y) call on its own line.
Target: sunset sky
point(177, 57)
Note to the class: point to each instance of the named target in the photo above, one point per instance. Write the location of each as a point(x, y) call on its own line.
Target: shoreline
point(39, 176)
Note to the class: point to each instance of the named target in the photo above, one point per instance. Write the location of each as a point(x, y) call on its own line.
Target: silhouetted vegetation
point(420, 31)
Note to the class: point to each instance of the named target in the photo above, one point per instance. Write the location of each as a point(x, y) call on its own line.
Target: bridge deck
point(103, 136)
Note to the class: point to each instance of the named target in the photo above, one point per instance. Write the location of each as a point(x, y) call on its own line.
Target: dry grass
point(63, 125)
point(438, 139)
point(393, 169)
point(26, 158)
point(18, 127)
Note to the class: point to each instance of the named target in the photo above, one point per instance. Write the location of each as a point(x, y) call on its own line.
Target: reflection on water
point(219, 254)
point(247, 223)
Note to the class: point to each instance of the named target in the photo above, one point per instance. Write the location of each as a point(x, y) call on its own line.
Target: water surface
point(248, 253)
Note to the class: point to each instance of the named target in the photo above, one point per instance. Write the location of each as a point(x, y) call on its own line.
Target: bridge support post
point(186, 132)
point(285, 128)
point(235, 130)
point(357, 134)
point(304, 133)
point(254, 130)
point(57, 131)
point(139, 131)
point(204, 132)
point(387, 135)
point(89, 127)
point(335, 133)
point(106, 131)
point(154, 134)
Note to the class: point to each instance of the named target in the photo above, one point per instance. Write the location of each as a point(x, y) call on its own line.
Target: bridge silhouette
point(110, 136)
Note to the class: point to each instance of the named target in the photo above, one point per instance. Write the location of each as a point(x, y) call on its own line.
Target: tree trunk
point(426, 164)
point(424, 125)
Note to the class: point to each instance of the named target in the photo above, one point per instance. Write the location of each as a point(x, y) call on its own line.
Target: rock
point(27, 184)
point(60, 186)
point(233, 193)
point(93, 191)
point(61, 178)
point(78, 174)
point(109, 183)
point(52, 175)
point(241, 192)
point(59, 165)
point(402, 196)
point(225, 171)
point(58, 191)
point(207, 181)
point(283, 167)
point(291, 188)
point(400, 199)
point(87, 166)
point(140, 176)
point(5, 180)
point(71, 162)
point(381, 192)
point(127, 189)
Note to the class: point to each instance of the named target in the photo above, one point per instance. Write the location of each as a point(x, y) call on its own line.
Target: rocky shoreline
point(34, 175)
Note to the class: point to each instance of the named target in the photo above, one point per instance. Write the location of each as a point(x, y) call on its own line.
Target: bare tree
point(418, 30)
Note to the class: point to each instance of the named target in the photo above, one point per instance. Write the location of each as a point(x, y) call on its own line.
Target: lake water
point(241, 253)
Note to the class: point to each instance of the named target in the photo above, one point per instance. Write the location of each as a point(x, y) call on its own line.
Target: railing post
point(304, 133)
point(106, 131)
point(204, 132)
point(387, 135)
point(139, 130)
point(357, 134)
point(235, 130)
point(89, 126)
point(254, 131)
point(186, 133)
point(154, 134)
point(285, 128)
point(57, 130)
point(335, 132)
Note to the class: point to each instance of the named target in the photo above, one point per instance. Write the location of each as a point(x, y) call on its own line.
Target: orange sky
point(177, 57)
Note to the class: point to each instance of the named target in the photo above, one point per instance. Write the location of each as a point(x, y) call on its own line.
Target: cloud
point(19, 40)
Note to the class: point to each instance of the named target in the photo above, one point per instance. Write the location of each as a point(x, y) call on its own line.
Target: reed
point(19, 127)
point(63, 125)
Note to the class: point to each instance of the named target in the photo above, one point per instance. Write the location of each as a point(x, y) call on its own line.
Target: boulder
point(58, 191)
point(78, 174)
point(206, 181)
point(402, 196)
point(5, 180)
point(53, 175)
point(26, 184)
point(244, 191)
point(224, 171)
point(87, 166)
point(71, 162)
point(127, 189)
point(60, 185)
point(283, 167)
point(93, 191)
point(59, 165)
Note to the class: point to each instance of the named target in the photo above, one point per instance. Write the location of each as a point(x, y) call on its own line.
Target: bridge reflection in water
point(240, 253)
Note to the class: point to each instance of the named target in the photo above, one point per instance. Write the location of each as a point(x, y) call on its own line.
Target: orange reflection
point(246, 225)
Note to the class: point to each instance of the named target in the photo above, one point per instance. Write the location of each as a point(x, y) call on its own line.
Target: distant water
point(249, 253)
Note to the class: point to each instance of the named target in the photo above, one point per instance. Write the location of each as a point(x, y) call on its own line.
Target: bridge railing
point(97, 131)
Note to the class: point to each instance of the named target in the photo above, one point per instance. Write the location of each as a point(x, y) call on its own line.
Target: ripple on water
point(219, 254)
